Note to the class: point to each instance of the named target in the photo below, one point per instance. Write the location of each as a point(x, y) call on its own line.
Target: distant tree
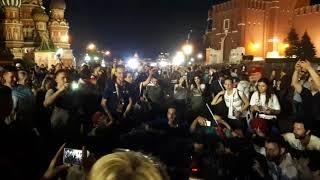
point(294, 43)
point(306, 48)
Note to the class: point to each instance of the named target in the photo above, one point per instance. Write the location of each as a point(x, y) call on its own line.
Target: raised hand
point(54, 168)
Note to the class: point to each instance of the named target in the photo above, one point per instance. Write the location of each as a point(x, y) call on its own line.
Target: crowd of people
point(200, 122)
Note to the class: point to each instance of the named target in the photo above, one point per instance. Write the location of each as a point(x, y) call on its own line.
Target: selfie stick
point(212, 114)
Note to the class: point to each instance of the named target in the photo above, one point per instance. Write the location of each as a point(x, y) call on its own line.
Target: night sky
point(144, 26)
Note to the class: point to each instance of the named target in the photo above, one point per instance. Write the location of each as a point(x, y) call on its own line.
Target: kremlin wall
point(258, 28)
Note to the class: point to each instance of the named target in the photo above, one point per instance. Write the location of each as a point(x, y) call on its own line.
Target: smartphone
point(73, 156)
point(208, 123)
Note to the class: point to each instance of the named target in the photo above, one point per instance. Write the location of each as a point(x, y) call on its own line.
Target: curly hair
point(126, 165)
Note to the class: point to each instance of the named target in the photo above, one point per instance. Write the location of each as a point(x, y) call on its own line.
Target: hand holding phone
point(73, 156)
point(55, 168)
point(208, 123)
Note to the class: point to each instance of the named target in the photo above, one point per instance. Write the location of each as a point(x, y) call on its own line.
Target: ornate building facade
point(28, 31)
point(258, 28)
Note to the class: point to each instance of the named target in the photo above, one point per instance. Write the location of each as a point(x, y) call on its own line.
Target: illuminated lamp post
point(91, 47)
point(187, 49)
point(178, 59)
point(200, 56)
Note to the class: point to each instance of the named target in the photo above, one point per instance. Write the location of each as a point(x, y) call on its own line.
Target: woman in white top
point(236, 102)
point(265, 103)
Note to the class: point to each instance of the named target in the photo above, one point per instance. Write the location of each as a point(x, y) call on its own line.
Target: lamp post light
point(107, 53)
point(187, 49)
point(200, 56)
point(133, 63)
point(91, 47)
point(179, 59)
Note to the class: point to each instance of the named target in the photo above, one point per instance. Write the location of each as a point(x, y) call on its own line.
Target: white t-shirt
point(314, 143)
point(244, 87)
point(233, 102)
point(273, 103)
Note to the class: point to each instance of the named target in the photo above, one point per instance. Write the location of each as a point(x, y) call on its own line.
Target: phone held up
point(208, 123)
point(73, 156)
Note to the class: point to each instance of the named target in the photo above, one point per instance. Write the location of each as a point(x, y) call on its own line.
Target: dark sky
point(127, 26)
point(144, 26)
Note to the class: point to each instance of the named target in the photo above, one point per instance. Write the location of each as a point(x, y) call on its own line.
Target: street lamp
point(133, 63)
point(91, 46)
point(199, 56)
point(178, 59)
point(187, 49)
point(107, 53)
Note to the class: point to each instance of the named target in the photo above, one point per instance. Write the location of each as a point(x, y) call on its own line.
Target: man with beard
point(280, 162)
point(310, 97)
point(301, 138)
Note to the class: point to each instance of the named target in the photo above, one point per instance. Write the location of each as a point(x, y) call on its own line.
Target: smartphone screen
point(208, 123)
point(72, 156)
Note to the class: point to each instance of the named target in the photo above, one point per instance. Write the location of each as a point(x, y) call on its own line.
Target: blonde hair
point(125, 166)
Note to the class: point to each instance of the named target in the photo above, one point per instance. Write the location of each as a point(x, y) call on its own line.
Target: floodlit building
point(29, 32)
point(258, 28)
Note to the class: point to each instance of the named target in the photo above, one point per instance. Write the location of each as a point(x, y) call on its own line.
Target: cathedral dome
point(58, 4)
point(10, 3)
point(38, 14)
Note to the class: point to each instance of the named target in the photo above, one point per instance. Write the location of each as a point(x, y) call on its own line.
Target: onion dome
point(39, 15)
point(58, 4)
point(10, 3)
